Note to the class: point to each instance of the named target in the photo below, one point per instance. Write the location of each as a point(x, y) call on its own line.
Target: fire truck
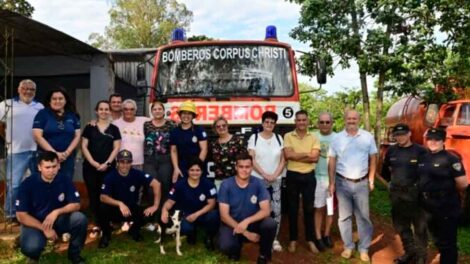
point(454, 116)
point(236, 79)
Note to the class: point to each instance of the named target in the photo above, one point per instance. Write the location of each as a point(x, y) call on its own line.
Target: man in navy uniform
point(120, 198)
point(48, 206)
point(400, 167)
point(442, 183)
point(244, 206)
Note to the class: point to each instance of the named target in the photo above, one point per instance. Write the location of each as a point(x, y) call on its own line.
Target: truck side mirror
point(432, 113)
point(321, 71)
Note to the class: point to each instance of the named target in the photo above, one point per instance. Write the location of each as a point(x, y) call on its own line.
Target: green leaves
point(142, 24)
point(19, 6)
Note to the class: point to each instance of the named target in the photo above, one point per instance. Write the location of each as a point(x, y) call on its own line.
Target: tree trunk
point(365, 100)
point(362, 73)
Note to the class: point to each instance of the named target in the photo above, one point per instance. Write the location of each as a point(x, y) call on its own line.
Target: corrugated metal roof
point(33, 38)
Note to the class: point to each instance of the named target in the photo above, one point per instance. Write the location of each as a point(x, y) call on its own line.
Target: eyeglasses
point(324, 122)
point(221, 126)
point(29, 89)
point(128, 109)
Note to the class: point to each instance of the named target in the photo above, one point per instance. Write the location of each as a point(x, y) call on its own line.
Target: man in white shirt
point(352, 164)
point(18, 114)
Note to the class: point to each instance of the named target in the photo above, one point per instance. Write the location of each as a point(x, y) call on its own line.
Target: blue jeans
point(208, 221)
point(353, 198)
point(17, 164)
point(33, 241)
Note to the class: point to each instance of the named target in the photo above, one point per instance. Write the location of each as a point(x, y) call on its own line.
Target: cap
point(124, 155)
point(400, 129)
point(188, 106)
point(436, 133)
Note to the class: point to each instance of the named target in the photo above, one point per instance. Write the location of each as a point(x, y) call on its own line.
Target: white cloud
point(221, 19)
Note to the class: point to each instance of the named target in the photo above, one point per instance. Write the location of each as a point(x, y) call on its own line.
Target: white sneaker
point(277, 246)
point(125, 226)
point(95, 232)
point(150, 227)
point(66, 237)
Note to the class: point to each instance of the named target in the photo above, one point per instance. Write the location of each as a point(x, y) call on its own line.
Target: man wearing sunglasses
point(326, 136)
point(120, 198)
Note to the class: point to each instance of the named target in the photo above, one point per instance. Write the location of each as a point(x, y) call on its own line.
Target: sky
point(220, 19)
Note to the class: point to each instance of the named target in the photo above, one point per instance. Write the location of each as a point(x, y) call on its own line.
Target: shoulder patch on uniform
point(457, 166)
point(103, 186)
point(204, 134)
point(17, 203)
point(147, 175)
point(213, 191)
point(77, 194)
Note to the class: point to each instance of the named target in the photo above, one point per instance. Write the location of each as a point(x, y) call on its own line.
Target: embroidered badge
point(132, 189)
point(253, 199)
point(103, 186)
point(147, 175)
point(213, 191)
point(77, 194)
point(202, 197)
point(61, 197)
point(17, 203)
point(194, 139)
point(457, 166)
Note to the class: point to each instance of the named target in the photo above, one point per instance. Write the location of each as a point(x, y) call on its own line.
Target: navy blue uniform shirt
point(243, 202)
point(38, 198)
point(58, 133)
point(437, 173)
point(189, 199)
point(401, 164)
point(187, 144)
point(125, 188)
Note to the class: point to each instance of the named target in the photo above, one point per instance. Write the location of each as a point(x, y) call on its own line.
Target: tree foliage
point(18, 6)
point(409, 45)
point(142, 23)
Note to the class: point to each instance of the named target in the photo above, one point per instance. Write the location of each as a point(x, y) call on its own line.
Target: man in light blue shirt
point(352, 164)
point(18, 114)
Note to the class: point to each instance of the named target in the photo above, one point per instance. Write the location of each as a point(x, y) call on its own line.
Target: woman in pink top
point(132, 132)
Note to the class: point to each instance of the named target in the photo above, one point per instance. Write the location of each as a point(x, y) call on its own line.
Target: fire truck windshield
point(224, 70)
point(464, 115)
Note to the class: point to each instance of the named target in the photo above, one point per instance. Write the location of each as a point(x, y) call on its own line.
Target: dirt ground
point(385, 247)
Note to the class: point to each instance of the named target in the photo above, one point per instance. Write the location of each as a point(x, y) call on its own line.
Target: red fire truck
point(237, 79)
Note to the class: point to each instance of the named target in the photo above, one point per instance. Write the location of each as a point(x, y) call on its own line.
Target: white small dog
point(172, 228)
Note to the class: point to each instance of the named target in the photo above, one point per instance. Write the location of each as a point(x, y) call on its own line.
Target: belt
point(434, 195)
point(352, 180)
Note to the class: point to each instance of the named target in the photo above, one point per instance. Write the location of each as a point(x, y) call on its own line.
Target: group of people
point(138, 169)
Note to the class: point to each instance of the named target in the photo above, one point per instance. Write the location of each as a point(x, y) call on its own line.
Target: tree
point(18, 6)
point(394, 40)
point(142, 23)
point(199, 38)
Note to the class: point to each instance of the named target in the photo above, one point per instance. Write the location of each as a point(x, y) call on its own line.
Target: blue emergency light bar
point(271, 32)
point(178, 35)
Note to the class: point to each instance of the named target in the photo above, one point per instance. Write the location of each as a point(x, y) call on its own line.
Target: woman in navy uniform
point(196, 197)
point(442, 183)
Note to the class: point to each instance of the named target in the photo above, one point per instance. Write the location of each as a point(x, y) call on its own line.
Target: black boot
point(262, 260)
point(104, 241)
point(319, 244)
point(328, 242)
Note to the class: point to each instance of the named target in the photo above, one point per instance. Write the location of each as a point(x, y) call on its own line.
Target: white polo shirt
point(352, 153)
point(19, 118)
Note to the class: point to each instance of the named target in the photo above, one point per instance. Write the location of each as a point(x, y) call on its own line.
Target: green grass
point(123, 250)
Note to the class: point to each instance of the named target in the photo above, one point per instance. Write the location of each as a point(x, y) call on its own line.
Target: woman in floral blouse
point(224, 149)
point(157, 160)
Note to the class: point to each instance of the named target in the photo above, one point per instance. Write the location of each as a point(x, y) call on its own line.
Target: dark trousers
point(444, 232)
point(301, 183)
point(113, 214)
point(33, 241)
point(208, 221)
point(161, 169)
point(231, 244)
point(93, 181)
point(409, 222)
